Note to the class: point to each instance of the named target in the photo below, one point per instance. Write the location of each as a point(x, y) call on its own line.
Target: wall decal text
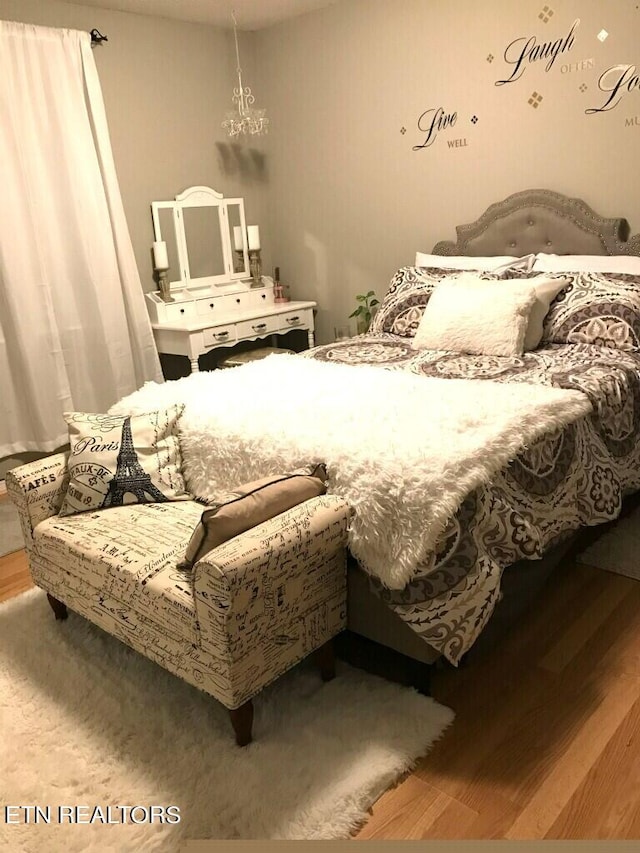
point(632, 121)
point(457, 143)
point(432, 122)
point(523, 51)
point(617, 81)
point(583, 65)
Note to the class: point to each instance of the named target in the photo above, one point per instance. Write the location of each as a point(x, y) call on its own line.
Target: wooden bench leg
point(326, 661)
point(59, 609)
point(242, 722)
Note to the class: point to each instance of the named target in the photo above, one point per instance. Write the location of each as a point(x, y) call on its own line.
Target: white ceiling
point(250, 14)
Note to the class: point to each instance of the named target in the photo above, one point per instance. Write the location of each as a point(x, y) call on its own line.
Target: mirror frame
point(203, 197)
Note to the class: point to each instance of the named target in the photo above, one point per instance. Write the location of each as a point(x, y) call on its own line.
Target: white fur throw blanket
point(403, 450)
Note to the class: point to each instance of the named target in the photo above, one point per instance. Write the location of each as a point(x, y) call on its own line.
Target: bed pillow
point(629, 264)
point(401, 308)
point(546, 290)
point(117, 460)
point(601, 309)
point(499, 263)
point(466, 316)
point(251, 504)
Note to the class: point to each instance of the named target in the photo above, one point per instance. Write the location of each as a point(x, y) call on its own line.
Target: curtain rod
point(97, 37)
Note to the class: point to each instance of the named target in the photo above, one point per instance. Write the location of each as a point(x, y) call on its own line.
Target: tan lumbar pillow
point(251, 504)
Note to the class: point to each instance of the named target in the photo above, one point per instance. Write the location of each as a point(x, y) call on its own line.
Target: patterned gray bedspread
point(576, 476)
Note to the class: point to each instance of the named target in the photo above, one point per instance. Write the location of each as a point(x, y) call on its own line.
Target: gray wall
point(167, 86)
point(350, 201)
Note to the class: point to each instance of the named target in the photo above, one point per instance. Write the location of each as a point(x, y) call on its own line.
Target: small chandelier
point(246, 119)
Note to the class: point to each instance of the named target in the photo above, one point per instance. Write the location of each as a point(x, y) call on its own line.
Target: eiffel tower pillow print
point(117, 460)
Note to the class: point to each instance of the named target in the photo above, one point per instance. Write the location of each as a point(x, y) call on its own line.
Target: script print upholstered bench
point(249, 610)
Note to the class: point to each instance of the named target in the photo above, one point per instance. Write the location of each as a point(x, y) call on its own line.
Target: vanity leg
point(311, 338)
point(195, 367)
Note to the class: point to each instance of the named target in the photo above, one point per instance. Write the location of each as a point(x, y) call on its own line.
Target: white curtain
point(74, 330)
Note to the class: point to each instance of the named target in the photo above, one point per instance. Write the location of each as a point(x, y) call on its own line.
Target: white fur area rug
point(403, 450)
point(87, 722)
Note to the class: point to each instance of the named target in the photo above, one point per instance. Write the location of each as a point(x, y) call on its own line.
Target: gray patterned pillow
point(601, 309)
point(411, 287)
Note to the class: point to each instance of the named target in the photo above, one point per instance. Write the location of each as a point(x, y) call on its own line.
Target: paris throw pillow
point(117, 460)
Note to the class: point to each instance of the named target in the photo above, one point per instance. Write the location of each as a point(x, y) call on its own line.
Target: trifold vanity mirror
point(205, 238)
point(212, 292)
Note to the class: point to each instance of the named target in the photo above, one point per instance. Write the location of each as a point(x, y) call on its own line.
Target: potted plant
point(364, 312)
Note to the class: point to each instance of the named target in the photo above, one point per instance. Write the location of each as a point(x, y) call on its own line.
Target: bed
point(518, 528)
point(503, 535)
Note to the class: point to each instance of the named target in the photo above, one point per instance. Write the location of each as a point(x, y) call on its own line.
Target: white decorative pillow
point(485, 264)
point(629, 264)
point(117, 460)
point(476, 317)
point(546, 289)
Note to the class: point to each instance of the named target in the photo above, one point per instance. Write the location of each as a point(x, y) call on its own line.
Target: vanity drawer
point(260, 326)
point(259, 297)
point(177, 312)
point(219, 335)
point(208, 306)
point(293, 319)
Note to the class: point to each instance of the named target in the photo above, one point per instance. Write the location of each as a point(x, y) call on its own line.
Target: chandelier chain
point(235, 35)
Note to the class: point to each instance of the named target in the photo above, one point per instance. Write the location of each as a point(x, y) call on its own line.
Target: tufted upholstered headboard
point(541, 221)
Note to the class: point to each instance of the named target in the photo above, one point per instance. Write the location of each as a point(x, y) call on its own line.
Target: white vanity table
point(198, 321)
point(212, 302)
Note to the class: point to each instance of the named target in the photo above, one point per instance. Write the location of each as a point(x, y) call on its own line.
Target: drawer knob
point(212, 305)
point(260, 327)
point(220, 336)
point(293, 320)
